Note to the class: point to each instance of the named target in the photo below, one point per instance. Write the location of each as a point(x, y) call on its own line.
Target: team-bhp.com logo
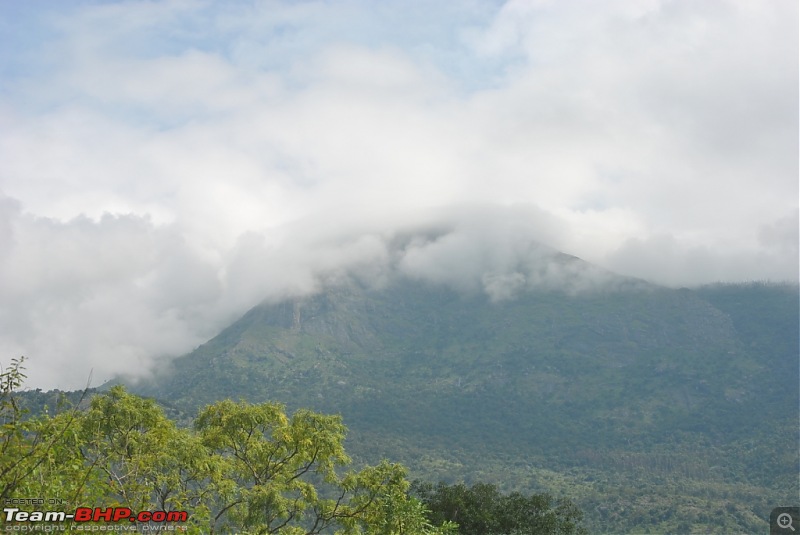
point(87, 518)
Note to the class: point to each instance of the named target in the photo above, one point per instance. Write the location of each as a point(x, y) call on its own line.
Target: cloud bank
point(166, 165)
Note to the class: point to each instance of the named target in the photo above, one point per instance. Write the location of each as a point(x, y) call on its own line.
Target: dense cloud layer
point(166, 165)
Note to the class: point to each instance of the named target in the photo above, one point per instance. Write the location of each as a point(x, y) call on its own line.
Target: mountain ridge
point(609, 382)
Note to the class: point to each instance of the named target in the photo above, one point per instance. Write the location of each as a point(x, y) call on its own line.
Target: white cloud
point(192, 158)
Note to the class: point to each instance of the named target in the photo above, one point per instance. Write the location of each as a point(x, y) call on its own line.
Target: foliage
point(242, 469)
point(13, 450)
point(29, 446)
point(483, 510)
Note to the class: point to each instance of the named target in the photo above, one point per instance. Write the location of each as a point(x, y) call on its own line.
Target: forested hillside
point(649, 406)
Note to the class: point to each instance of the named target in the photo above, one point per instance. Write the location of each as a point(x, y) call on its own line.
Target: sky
point(166, 165)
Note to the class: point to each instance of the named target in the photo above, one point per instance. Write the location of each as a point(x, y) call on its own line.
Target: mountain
point(670, 410)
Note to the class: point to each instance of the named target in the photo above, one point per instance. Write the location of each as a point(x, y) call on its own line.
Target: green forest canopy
point(242, 468)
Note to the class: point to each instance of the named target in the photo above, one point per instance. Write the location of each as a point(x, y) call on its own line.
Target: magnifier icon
point(785, 521)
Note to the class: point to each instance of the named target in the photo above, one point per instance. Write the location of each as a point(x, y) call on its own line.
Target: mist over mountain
point(62, 295)
point(486, 232)
point(556, 375)
point(191, 159)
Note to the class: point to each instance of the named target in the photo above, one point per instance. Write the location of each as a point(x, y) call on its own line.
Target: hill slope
point(647, 405)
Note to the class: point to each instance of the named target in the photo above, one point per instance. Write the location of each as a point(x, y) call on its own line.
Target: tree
point(279, 473)
point(28, 445)
point(13, 448)
point(483, 510)
point(242, 469)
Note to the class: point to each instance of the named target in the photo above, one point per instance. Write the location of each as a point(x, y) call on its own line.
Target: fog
point(168, 165)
